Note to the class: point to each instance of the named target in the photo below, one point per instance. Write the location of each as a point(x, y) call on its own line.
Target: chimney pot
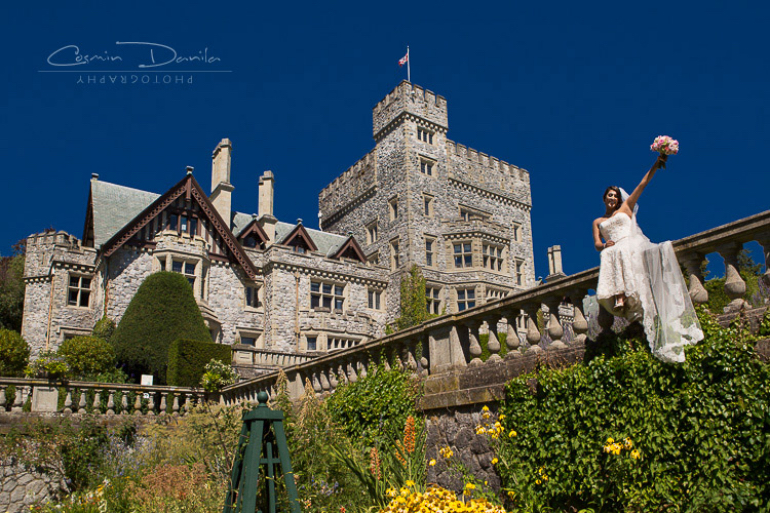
point(190, 170)
point(94, 176)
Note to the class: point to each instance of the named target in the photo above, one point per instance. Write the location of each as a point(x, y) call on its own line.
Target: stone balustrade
point(266, 360)
point(451, 342)
point(79, 397)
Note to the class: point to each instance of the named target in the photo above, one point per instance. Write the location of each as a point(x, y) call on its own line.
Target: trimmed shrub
point(14, 353)
point(187, 360)
point(88, 356)
point(104, 328)
point(163, 310)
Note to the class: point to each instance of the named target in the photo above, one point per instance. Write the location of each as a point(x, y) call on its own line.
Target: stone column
point(175, 406)
point(97, 405)
point(494, 341)
point(764, 241)
point(512, 336)
point(68, 402)
point(692, 262)
point(163, 404)
point(579, 324)
point(474, 347)
point(554, 327)
point(82, 401)
point(533, 332)
point(735, 287)
point(138, 403)
point(18, 401)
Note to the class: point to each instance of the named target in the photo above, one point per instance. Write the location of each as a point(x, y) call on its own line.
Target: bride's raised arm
point(634, 196)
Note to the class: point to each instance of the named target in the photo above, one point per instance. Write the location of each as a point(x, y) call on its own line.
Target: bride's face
point(611, 199)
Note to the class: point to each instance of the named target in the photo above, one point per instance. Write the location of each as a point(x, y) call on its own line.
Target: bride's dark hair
point(617, 191)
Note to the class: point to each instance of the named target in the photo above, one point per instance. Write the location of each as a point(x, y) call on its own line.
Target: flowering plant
point(665, 145)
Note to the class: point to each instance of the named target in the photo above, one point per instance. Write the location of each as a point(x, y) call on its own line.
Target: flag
point(403, 60)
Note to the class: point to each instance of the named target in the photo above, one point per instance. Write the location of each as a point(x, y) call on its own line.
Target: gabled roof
point(252, 228)
point(111, 207)
point(299, 232)
point(327, 243)
point(350, 249)
point(192, 190)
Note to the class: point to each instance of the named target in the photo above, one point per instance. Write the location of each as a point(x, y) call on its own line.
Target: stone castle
point(261, 284)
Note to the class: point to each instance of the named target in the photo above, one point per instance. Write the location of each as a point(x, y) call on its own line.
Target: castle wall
point(226, 296)
point(127, 269)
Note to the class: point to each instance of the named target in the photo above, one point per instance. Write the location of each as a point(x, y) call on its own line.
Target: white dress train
point(649, 276)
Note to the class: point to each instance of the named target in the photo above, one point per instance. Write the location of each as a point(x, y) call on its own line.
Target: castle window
point(394, 263)
point(432, 300)
point(519, 272)
point(312, 343)
point(463, 255)
point(426, 166)
point(334, 343)
point(469, 214)
point(371, 233)
point(186, 268)
point(327, 295)
point(79, 291)
point(516, 232)
point(251, 293)
point(429, 244)
point(424, 135)
point(373, 259)
point(375, 298)
point(173, 222)
point(493, 257)
point(393, 208)
point(466, 298)
point(427, 205)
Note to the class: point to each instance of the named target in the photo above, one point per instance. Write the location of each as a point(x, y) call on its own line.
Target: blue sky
point(572, 92)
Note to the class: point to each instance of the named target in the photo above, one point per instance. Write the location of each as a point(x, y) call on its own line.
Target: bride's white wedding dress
point(649, 276)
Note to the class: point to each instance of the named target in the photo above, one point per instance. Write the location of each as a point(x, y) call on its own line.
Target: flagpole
point(408, 66)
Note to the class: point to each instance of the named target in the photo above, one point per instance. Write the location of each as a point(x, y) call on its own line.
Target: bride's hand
point(609, 244)
point(662, 161)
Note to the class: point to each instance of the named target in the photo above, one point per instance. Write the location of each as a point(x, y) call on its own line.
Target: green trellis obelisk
point(261, 434)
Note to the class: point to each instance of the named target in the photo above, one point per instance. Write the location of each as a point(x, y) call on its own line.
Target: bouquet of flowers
point(665, 145)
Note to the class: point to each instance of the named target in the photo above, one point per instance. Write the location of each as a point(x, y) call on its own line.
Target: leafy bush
point(88, 357)
point(375, 408)
point(631, 433)
point(104, 328)
point(217, 376)
point(187, 360)
point(161, 311)
point(14, 353)
point(48, 365)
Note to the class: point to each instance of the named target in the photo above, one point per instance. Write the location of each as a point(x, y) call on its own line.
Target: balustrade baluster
point(124, 402)
point(735, 287)
point(200, 398)
point(512, 334)
point(138, 403)
point(692, 262)
point(474, 347)
point(533, 332)
point(362, 369)
point(408, 356)
point(163, 404)
point(175, 406)
point(96, 407)
point(82, 401)
point(579, 323)
point(325, 385)
point(333, 381)
point(316, 380)
point(493, 344)
point(554, 327)
point(18, 401)
point(68, 402)
point(151, 405)
point(351, 369)
point(764, 241)
point(2, 399)
point(111, 403)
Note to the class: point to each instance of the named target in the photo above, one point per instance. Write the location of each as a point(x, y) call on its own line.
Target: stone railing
point(250, 361)
point(78, 397)
point(451, 342)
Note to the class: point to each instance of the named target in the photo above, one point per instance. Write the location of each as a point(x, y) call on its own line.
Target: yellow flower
point(635, 454)
point(537, 482)
point(485, 408)
point(432, 462)
point(470, 486)
point(480, 430)
point(610, 441)
point(628, 443)
point(485, 415)
point(512, 434)
point(494, 461)
point(502, 416)
point(409, 482)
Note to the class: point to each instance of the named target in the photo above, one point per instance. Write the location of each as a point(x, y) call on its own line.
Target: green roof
point(115, 206)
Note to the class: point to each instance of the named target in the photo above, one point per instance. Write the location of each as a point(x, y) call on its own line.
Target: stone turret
point(410, 101)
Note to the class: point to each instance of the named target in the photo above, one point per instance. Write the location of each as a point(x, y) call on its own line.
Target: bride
point(642, 281)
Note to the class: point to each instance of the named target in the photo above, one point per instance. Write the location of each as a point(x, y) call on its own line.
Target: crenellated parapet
point(56, 249)
point(407, 99)
point(349, 189)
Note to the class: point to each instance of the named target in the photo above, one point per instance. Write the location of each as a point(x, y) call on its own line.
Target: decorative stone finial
point(299, 220)
point(190, 170)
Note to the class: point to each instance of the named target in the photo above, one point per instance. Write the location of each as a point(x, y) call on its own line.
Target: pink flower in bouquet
point(665, 145)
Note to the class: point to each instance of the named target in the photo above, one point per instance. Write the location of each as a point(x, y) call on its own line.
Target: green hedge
point(187, 358)
point(14, 353)
point(161, 311)
point(701, 429)
point(87, 357)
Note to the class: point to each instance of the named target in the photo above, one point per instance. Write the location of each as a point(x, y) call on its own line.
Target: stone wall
point(22, 487)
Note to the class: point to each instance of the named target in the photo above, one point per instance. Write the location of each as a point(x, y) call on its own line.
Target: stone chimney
point(221, 188)
point(554, 263)
point(265, 209)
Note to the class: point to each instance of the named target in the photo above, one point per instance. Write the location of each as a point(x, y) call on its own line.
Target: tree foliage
point(104, 328)
point(163, 310)
point(631, 433)
point(14, 353)
point(11, 291)
point(88, 357)
point(187, 360)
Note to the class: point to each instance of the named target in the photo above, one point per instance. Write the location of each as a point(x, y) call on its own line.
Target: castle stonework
point(417, 198)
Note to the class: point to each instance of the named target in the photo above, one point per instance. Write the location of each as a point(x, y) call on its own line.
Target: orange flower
point(409, 439)
point(374, 464)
